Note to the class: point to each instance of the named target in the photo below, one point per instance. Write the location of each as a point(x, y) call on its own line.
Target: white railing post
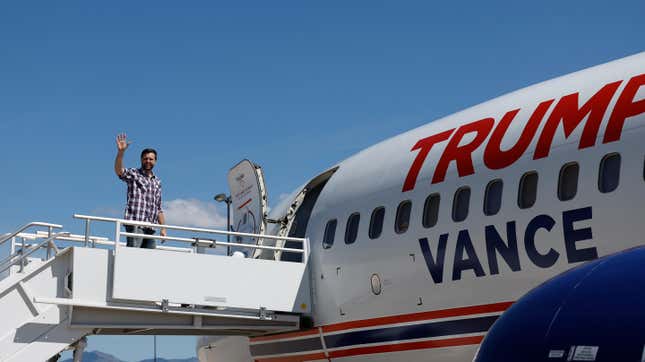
point(87, 232)
point(22, 252)
point(49, 235)
point(117, 234)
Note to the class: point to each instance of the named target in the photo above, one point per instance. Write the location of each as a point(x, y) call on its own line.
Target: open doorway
point(298, 225)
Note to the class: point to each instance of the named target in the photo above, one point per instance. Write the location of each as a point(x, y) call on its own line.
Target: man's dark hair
point(148, 150)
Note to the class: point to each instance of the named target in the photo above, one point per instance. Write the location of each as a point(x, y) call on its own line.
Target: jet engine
point(594, 312)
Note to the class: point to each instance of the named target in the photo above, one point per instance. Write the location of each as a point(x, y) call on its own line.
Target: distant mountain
point(96, 356)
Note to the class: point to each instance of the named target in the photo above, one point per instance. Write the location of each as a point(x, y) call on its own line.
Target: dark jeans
point(140, 242)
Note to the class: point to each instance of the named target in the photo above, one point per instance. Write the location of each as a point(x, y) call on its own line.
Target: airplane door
point(248, 203)
point(299, 213)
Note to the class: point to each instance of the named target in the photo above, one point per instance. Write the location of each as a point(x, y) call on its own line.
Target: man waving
point(144, 194)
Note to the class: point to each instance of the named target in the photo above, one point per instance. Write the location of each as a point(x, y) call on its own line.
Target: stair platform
point(100, 286)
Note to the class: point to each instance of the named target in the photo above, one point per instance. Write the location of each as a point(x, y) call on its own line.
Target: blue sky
point(294, 86)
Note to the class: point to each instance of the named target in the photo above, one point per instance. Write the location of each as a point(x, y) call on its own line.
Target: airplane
point(421, 242)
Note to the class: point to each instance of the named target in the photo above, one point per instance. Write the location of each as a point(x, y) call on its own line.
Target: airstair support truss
point(102, 287)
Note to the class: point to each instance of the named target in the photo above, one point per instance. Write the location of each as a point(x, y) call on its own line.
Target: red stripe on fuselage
point(381, 321)
point(398, 347)
point(435, 314)
point(302, 357)
point(285, 335)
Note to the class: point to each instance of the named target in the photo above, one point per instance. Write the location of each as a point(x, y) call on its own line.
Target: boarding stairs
point(57, 287)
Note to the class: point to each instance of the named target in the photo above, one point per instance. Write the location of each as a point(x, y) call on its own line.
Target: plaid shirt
point(144, 195)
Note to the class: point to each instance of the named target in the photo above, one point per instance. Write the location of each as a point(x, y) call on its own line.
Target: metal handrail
point(184, 228)
point(95, 241)
point(41, 233)
point(3, 239)
point(118, 233)
point(13, 255)
point(215, 242)
point(23, 256)
point(28, 249)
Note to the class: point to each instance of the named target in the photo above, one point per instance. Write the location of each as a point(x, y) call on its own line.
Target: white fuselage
point(441, 286)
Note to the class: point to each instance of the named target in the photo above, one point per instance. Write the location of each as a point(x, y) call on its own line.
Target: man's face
point(148, 161)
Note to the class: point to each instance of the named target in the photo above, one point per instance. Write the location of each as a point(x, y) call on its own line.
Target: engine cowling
point(594, 312)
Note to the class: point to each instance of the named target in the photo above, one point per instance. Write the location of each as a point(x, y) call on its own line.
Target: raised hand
point(122, 142)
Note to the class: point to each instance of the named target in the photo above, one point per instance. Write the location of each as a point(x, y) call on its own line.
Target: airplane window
point(493, 197)
point(431, 210)
point(403, 217)
point(351, 231)
point(460, 204)
point(609, 173)
point(528, 190)
point(568, 181)
point(330, 231)
point(376, 222)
